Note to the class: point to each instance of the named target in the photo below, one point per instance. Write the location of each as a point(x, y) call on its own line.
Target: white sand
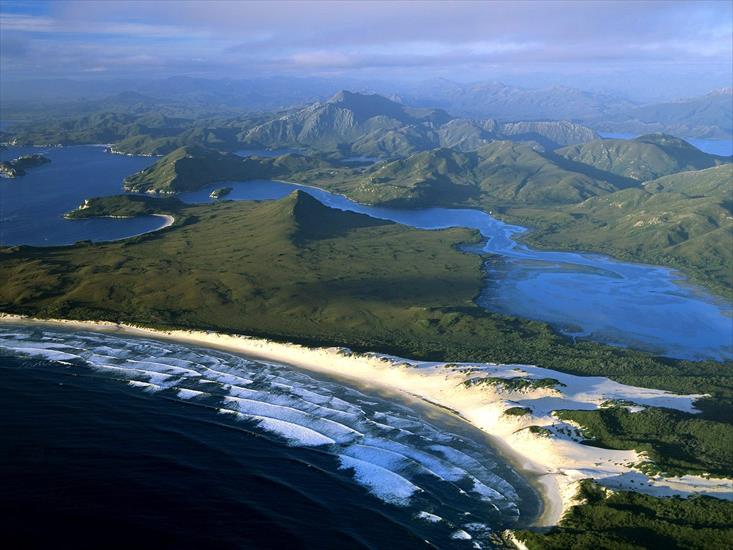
point(558, 461)
point(168, 220)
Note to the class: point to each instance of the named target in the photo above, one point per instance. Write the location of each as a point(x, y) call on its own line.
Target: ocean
point(121, 441)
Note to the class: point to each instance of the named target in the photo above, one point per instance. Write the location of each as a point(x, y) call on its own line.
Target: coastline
point(552, 457)
point(168, 220)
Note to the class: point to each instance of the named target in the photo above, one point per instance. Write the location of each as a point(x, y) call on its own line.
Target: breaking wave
point(450, 479)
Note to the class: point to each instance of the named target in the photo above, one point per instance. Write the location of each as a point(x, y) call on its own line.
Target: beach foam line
point(554, 460)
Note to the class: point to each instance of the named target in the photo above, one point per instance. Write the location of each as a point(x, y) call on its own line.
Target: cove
point(32, 206)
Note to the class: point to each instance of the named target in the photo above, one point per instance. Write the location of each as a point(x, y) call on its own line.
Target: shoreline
point(168, 220)
point(553, 461)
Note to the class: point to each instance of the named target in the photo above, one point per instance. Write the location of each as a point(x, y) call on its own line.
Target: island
point(18, 167)
point(220, 192)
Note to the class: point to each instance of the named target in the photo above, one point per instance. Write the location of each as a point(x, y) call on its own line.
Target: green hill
point(644, 158)
point(500, 173)
point(20, 166)
point(125, 206)
point(192, 167)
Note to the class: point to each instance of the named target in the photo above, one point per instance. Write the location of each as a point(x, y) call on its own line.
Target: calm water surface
point(32, 206)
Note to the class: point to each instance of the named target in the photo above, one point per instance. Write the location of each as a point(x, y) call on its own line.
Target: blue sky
point(678, 45)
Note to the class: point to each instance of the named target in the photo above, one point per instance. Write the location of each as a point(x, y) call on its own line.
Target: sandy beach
point(550, 452)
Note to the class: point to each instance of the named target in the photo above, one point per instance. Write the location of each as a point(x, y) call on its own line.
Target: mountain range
point(372, 125)
point(347, 124)
point(707, 116)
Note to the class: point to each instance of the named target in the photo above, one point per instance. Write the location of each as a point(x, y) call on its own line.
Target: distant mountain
point(643, 158)
point(709, 116)
point(549, 133)
point(512, 103)
point(348, 124)
point(343, 119)
point(372, 125)
point(214, 95)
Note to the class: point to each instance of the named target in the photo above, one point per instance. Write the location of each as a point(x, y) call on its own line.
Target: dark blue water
point(134, 441)
point(722, 147)
point(32, 206)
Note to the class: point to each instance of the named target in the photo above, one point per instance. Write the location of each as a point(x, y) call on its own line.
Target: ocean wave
point(388, 448)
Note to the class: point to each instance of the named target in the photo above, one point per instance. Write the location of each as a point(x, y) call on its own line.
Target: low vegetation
point(517, 411)
point(126, 206)
point(628, 521)
point(676, 442)
point(516, 383)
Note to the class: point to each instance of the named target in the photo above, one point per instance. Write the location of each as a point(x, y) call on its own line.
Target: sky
point(631, 47)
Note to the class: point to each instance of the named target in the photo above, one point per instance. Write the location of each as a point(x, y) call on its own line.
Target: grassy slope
point(683, 220)
point(625, 520)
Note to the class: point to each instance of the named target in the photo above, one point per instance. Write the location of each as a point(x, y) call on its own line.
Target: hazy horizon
point(640, 50)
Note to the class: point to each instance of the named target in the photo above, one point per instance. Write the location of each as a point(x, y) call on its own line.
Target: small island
point(221, 192)
point(18, 167)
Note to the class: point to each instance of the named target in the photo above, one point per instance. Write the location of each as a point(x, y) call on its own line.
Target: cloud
point(416, 39)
